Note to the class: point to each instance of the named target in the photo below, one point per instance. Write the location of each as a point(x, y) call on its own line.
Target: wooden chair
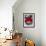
point(18, 39)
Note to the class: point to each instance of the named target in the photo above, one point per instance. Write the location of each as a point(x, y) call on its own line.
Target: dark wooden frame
point(34, 20)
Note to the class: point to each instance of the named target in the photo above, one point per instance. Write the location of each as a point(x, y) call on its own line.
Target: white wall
point(6, 13)
point(43, 22)
point(28, 6)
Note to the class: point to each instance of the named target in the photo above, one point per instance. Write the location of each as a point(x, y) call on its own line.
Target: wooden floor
point(13, 41)
point(9, 43)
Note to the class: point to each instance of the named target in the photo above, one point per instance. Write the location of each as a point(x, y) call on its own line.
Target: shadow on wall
point(28, 6)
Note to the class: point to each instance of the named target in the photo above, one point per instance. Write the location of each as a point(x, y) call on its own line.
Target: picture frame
point(28, 20)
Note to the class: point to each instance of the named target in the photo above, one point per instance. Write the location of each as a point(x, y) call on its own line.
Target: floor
point(9, 43)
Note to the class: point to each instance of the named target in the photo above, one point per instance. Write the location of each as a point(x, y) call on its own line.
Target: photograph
point(29, 20)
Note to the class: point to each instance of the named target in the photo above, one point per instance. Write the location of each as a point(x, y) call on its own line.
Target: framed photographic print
point(29, 20)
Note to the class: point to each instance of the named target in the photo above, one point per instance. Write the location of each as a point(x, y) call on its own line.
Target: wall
point(43, 22)
point(6, 13)
point(6, 16)
point(28, 6)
